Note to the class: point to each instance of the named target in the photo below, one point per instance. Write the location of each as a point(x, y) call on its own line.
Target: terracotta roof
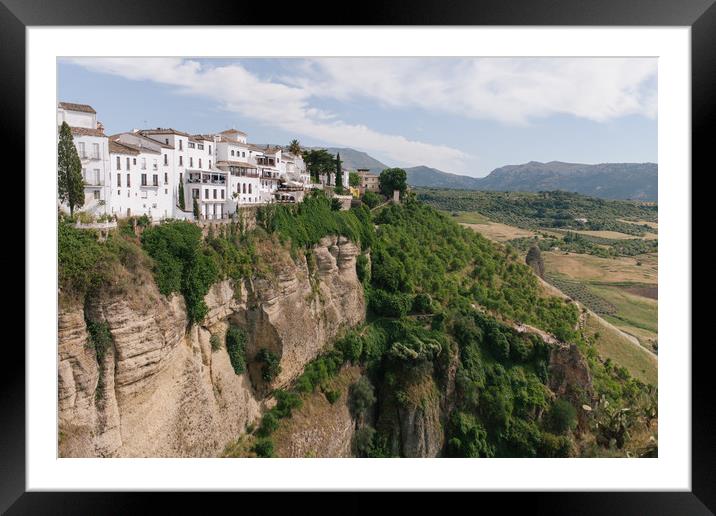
point(85, 108)
point(85, 131)
point(132, 146)
point(234, 163)
point(163, 130)
point(120, 148)
point(233, 131)
point(203, 137)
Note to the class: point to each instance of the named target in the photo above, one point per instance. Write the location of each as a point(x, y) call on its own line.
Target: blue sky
point(461, 115)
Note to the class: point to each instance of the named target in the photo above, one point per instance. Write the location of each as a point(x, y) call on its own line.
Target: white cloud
point(276, 104)
point(509, 90)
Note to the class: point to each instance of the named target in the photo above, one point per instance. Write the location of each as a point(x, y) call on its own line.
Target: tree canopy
point(393, 179)
point(70, 184)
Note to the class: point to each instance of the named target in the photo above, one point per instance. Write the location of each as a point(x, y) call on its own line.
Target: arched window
point(249, 187)
point(244, 187)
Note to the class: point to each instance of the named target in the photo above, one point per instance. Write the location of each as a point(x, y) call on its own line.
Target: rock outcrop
point(160, 390)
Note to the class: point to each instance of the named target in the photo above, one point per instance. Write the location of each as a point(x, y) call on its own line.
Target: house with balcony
point(139, 184)
point(93, 149)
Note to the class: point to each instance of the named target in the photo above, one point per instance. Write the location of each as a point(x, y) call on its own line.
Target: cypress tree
point(70, 183)
point(196, 209)
point(181, 196)
point(339, 174)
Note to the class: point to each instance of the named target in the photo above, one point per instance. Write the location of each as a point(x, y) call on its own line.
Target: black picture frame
point(700, 15)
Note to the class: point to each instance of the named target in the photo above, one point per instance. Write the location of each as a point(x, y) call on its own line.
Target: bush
point(362, 396)
point(332, 395)
point(264, 448)
point(83, 262)
point(363, 441)
point(351, 347)
point(371, 199)
point(286, 402)
point(388, 304)
point(181, 264)
point(269, 424)
point(271, 367)
point(562, 417)
point(422, 303)
point(468, 438)
point(215, 343)
point(236, 348)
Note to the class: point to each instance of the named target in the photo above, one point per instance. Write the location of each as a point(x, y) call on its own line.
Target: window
point(144, 179)
point(206, 194)
point(209, 149)
point(191, 162)
point(119, 163)
point(243, 154)
point(166, 178)
point(210, 164)
point(166, 159)
point(199, 162)
point(166, 141)
point(119, 192)
point(128, 185)
point(96, 177)
point(155, 180)
point(134, 161)
point(96, 194)
point(181, 161)
point(214, 193)
point(194, 193)
point(166, 191)
point(191, 145)
point(144, 163)
point(200, 146)
point(244, 188)
point(249, 187)
point(95, 150)
point(82, 149)
point(181, 143)
point(127, 163)
point(222, 194)
point(232, 152)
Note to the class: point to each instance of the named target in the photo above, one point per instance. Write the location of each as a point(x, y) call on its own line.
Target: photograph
point(357, 257)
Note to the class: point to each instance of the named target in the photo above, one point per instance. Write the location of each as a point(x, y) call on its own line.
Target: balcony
point(207, 179)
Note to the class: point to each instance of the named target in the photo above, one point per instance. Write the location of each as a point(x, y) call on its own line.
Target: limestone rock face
point(304, 307)
point(161, 391)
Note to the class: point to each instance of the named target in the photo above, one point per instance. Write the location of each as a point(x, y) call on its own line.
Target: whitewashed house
point(93, 149)
point(141, 185)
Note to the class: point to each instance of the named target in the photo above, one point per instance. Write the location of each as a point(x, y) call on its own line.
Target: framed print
point(419, 252)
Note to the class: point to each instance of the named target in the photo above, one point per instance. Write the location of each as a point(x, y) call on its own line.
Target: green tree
point(534, 260)
point(562, 417)
point(362, 396)
point(353, 179)
point(319, 161)
point(197, 215)
point(393, 179)
point(181, 196)
point(70, 184)
point(339, 173)
point(294, 147)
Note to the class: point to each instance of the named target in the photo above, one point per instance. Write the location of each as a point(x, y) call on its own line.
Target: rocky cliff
point(160, 390)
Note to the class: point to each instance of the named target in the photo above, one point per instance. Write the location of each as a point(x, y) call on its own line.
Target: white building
point(93, 149)
point(140, 172)
point(141, 184)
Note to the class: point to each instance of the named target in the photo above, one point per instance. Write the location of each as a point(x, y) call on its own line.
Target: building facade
point(163, 172)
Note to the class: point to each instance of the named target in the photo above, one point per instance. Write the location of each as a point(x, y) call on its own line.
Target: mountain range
point(638, 181)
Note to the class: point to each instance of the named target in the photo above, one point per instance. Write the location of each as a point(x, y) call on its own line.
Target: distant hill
point(434, 178)
point(353, 159)
point(606, 180)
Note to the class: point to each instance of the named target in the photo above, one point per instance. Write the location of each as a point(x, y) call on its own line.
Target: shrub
point(362, 396)
point(271, 367)
point(332, 395)
point(286, 402)
point(422, 303)
point(215, 343)
point(562, 417)
point(236, 348)
point(82, 260)
point(264, 448)
point(389, 304)
point(371, 199)
point(351, 347)
point(468, 438)
point(269, 424)
point(363, 440)
point(181, 264)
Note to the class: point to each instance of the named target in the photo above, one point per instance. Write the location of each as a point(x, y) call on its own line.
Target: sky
point(461, 115)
